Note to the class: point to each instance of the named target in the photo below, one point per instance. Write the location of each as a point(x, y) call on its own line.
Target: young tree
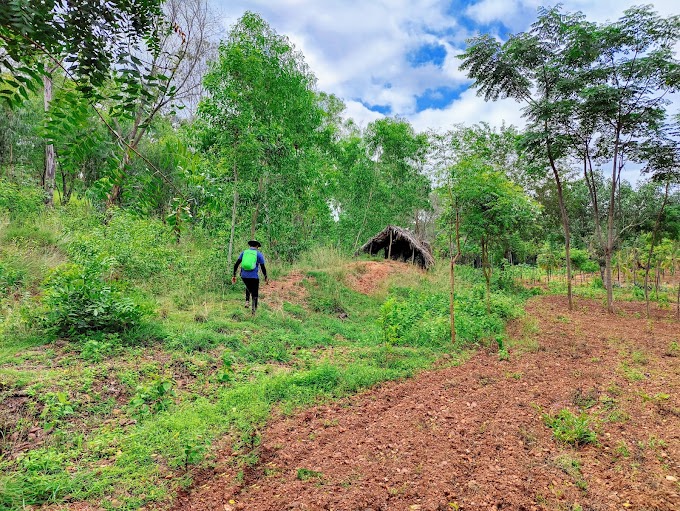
point(258, 123)
point(528, 68)
point(663, 157)
point(492, 210)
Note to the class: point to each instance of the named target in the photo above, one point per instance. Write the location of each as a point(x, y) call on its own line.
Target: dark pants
point(252, 289)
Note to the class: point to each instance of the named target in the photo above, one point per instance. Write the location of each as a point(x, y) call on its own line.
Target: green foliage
point(20, 202)
point(414, 318)
point(305, 474)
point(79, 301)
point(92, 40)
point(57, 406)
point(12, 276)
point(141, 248)
point(570, 428)
point(155, 397)
point(28, 235)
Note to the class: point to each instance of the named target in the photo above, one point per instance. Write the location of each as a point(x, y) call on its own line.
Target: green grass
point(571, 428)
point(131, 412)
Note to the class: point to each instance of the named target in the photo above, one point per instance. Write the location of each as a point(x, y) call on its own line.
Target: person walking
point(251, 260)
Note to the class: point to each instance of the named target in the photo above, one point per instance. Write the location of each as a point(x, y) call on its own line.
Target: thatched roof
point(405, 246)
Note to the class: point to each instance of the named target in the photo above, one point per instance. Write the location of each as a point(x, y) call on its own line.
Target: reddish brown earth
point(472, 437)
point(288, 289)
point(369, 276)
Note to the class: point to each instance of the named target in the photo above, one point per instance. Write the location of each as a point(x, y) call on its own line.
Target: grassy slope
point(122, 419)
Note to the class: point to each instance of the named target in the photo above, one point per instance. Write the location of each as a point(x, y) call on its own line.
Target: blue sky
point(398, 57)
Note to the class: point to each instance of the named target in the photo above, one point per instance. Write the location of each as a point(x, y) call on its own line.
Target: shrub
point(79, 301)
point(139, 247)
point(412, 318)
point(20, 201)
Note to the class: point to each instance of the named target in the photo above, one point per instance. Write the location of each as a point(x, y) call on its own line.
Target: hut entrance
point(399, 244)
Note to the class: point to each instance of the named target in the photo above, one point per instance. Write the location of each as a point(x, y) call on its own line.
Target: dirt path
point(473, 438)
point(286, 289)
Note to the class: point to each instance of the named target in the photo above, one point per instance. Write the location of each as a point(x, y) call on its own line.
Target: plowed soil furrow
point(473, 436)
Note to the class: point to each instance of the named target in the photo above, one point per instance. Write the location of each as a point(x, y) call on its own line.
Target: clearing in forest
point(584, 415)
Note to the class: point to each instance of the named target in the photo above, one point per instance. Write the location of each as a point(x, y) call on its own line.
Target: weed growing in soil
point(305, 474)
point(572, 467)
point(571, 428)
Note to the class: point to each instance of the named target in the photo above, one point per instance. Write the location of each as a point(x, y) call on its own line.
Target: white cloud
point(488, 11)
point(360, 114)
point(470, 109)
point(358, 49)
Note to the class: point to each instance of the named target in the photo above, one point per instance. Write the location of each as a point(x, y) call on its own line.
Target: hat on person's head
point(254, 243)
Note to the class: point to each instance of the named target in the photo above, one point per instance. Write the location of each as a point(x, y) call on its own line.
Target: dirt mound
point(368, 276)
point(287, 289)
point(474, 437)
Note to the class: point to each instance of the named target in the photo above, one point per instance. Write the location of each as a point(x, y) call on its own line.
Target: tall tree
point(259, 122)
point(400, 153)
point(621, 73)
point(527, 69)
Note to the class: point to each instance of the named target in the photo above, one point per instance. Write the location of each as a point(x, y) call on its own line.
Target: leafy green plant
point(305, 474)
point(570, 428)
point(193, 452)
point(78, 301)
point(503, 353)
point(57, 406)
point(152, 398)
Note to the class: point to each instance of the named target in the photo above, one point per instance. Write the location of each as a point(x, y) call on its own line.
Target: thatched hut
point(399, 244)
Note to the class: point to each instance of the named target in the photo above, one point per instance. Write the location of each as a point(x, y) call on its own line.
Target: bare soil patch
point(367, 277)
point(473, 437)
point(288, 289)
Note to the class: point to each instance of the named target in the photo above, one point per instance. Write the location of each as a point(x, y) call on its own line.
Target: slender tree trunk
point(256, 209)
point(363, 222)
point(653, 243)
point(486, 268)
point(233, 218)
point(592, 190)
point(453, 229)
point(50, 157)
point(452, 288)
point(565, 219)
point(389, 253)
point(609, 249)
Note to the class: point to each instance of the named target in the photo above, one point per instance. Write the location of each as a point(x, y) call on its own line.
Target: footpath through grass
point(124, 356)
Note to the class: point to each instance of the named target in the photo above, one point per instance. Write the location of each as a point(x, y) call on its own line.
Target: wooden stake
point(389, 251)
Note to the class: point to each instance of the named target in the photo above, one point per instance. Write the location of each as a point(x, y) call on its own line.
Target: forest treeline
point(158, 116)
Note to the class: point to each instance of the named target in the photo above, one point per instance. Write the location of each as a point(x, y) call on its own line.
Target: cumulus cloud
point(361, 51)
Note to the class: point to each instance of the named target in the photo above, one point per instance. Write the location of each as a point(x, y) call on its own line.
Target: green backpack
point(249, 260)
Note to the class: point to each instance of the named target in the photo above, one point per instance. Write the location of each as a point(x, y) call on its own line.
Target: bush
point(79, 301)
point(20, 202)
point(410, 318)
point(141, 248)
